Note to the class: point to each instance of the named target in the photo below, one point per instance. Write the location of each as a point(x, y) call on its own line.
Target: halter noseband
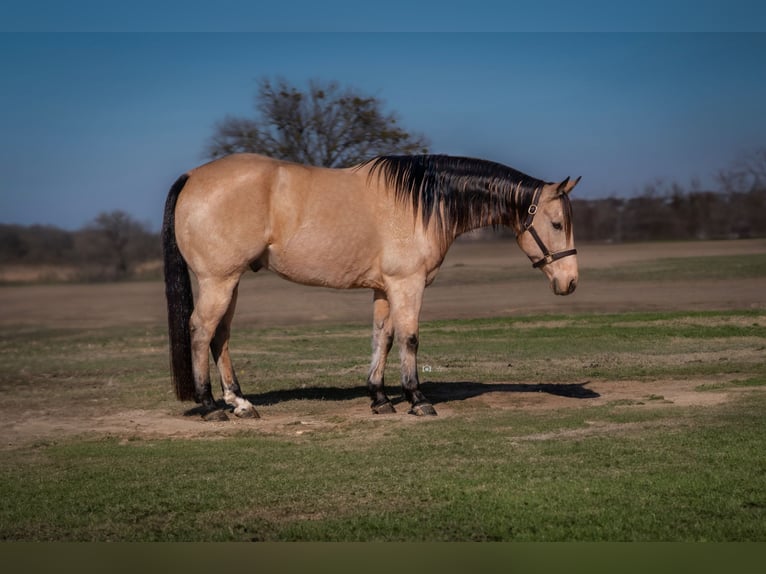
point(548, 257)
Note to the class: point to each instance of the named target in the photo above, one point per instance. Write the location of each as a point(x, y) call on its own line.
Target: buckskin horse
point(385, 225)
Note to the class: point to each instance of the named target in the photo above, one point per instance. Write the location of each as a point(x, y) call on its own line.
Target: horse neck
point(489, 218)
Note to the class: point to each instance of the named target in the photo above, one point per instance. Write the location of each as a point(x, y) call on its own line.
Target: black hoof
point(423, 410)
point(218, 415)
point(384, 408)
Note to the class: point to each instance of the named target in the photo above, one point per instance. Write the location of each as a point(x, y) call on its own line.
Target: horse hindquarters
point(195, 330)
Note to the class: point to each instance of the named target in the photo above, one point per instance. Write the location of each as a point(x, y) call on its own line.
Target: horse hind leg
point(382, 339)
point(212, 304)
point(219, 346)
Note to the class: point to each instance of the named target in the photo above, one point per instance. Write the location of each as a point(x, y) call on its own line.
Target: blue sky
point(91, 122)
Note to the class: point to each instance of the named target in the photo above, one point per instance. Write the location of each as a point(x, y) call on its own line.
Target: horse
point(385, 224)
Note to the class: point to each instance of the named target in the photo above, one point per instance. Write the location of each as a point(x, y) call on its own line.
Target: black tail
point(178, 291)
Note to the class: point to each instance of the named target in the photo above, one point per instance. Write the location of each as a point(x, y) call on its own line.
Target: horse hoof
point(423, 410)
point(247, 413)
point(385, 408)
point(218, 415)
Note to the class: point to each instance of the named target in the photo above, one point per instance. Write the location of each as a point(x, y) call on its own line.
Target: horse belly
point(330, 257)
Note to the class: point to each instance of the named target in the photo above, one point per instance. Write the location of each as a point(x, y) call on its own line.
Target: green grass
point(736, 383)
point(637, 469)
point(686, 268)
point(445, 480)
point(114, 366)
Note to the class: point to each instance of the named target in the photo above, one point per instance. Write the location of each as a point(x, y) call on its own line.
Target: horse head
point(546, 235)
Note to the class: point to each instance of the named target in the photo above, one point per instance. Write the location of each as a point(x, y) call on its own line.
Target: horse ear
point(566, 186)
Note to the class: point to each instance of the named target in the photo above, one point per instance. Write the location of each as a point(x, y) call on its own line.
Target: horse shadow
point(446, 392)
point(437, 392)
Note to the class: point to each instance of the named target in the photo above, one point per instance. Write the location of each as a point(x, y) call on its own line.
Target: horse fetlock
point(205, 398)
point(412, 393)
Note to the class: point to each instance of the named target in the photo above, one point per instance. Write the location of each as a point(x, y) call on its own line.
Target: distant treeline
point(736, 210)
point(115, 246)
point(679, 215)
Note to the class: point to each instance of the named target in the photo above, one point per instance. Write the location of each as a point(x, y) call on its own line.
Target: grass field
point(552, 426)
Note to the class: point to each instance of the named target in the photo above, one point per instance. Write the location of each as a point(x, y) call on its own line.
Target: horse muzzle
point(565, 287)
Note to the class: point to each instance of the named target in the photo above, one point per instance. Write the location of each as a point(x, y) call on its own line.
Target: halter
point(548, 257)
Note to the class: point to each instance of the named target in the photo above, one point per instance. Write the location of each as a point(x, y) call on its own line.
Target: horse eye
point(557, 226)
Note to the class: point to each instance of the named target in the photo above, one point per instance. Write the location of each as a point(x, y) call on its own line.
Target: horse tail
point(180, 300)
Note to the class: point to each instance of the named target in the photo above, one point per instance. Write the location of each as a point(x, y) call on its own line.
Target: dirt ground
point(269, 301)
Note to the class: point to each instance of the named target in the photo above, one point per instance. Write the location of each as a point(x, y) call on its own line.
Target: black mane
point(458, 193)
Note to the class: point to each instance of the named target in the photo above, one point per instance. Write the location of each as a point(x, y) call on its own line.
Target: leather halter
point(547, 257)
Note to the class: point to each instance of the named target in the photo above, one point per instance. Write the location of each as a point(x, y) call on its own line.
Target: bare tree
point(325, 125)
point(746, 174)
point(117, 241)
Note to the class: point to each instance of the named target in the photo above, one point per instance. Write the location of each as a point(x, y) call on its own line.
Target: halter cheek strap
point(547, 257)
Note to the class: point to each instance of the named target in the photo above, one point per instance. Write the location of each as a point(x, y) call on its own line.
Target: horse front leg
point(382, 340)
point(406, 301)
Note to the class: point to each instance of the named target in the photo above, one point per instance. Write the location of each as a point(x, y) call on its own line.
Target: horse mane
point(459, 193)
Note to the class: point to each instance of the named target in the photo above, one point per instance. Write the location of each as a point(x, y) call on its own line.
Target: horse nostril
point(572, 286)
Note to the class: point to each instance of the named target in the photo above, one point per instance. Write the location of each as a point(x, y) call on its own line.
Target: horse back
point(318, 226)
